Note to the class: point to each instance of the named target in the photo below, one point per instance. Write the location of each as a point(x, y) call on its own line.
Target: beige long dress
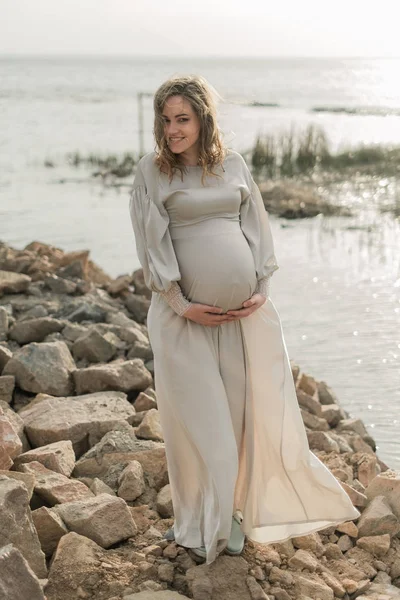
point(234, 435)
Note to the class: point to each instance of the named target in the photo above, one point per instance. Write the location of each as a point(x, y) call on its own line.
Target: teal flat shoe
point(237, 538)
point(200, 551)
point(169, 534)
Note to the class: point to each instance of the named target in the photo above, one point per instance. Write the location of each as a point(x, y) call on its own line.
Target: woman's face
point(181, 125)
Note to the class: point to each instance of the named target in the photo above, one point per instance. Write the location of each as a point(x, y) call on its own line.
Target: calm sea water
point(338, 286)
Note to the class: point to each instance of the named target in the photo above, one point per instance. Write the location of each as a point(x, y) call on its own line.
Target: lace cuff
point(175, 298)
point(262, 286)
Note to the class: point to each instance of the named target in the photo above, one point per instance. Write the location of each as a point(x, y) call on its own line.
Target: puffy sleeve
point(152, 238)
point(255, 225)
point(154, 247)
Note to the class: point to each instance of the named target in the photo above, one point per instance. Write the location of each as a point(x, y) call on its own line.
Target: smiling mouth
point(176, 140)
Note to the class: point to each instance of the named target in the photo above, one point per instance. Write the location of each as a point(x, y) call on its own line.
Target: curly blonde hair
point(198, 92)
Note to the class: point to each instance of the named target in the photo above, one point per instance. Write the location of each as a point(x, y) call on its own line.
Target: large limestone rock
point(13, 283)
point(17, 580)
point(122, 375)
point(380, 592)
point(104, 519)
point(82, 569)
point(16, 525)
point(386, 484)
point(55, 488)
point(378, 519)
point(225, 578)
point(34, 330)
point(93, 346)
point(131, 481)
point(120, 448)
point(312, 586)
point(58, 457)
point(150, 427)
point(50, 528)
point(7, 385)
point(160, 595)
point(9, 437)
point(44, 367)
point(26, 478)
point(82, 419)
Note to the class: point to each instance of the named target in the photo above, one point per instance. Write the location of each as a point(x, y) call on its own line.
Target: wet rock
point(58, 457)
point(50, 528)
point(44, 367)
point(17, 579)
point(34, 330)
point(118, 375)
point(16, 525)
point(82, 419)
point(104, 519)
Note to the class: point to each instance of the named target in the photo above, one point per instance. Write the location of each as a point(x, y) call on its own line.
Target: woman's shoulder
point(235, 160)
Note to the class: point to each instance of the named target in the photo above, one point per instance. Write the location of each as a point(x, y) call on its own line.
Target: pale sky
point(309, 28)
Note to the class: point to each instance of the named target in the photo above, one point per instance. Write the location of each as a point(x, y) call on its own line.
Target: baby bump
point(216, 269)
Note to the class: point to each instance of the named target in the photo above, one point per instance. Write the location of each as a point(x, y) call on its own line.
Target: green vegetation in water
point(298, 153)
point(109, 165)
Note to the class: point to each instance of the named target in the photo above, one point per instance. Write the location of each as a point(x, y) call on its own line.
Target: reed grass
point(306, 152)
point(109, 165)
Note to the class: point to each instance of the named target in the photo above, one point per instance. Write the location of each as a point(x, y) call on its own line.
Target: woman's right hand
point(204, 314)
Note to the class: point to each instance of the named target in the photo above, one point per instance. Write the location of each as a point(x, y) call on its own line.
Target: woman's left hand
point(249, 306)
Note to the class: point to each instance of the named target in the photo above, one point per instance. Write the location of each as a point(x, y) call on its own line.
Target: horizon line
point(190, 57)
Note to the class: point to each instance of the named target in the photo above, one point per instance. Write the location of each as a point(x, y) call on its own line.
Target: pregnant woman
point(237, 452)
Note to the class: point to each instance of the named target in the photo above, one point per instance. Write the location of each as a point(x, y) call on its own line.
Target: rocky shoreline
point(84, 492)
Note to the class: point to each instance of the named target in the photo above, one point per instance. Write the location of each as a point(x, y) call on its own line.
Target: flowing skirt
point(233, 431)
